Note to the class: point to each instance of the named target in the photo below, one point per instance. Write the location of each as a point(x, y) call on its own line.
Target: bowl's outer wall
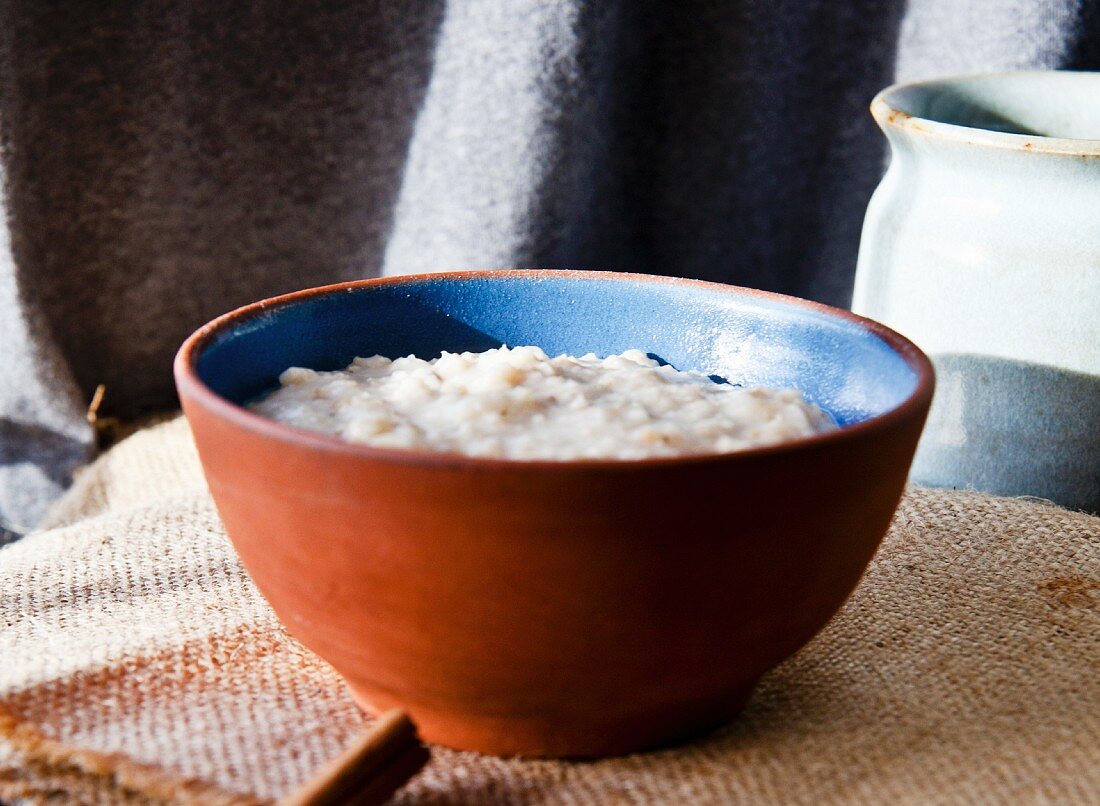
point(542, 608)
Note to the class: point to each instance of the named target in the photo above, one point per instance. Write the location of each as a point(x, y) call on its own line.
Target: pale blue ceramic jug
point(982, 244)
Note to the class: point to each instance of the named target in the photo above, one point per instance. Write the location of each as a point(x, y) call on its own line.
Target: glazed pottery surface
point(571, 608)
point(982, 244)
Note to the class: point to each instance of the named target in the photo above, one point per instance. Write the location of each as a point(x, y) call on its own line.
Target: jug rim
point(888, 109)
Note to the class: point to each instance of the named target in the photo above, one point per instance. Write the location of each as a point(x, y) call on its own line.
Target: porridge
point(519, 403)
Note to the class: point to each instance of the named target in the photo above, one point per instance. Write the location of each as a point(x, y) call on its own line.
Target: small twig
point(107, 429)
point(97, 401)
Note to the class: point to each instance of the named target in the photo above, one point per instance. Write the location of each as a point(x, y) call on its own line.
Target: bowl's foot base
point(561, 735)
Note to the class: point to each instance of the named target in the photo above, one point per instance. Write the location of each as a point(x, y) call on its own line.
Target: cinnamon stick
point(370, 770)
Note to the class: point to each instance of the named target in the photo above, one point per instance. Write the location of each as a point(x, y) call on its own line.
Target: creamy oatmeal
point(519, 403)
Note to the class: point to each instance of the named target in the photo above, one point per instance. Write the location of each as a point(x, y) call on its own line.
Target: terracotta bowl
point(578, 608)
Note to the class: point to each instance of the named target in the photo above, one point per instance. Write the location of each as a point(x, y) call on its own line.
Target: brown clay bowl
point(578, 608)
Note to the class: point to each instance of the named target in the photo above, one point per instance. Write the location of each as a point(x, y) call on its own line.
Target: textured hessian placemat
point(139, 664)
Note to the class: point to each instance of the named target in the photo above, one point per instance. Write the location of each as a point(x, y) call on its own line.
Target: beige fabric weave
point(139, 665)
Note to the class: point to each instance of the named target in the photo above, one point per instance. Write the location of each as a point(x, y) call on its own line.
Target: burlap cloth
point(139, 664)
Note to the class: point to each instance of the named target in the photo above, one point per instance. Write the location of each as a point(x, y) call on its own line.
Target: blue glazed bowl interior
point(737, 337)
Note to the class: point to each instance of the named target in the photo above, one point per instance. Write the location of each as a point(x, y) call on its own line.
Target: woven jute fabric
point(138, 664)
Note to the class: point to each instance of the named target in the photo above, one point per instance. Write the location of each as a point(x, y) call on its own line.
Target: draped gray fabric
point(166, 161)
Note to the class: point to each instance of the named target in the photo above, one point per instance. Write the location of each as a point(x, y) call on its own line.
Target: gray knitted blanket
point(166, 161)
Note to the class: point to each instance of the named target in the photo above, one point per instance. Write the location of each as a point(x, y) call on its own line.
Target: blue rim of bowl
point(189, 383)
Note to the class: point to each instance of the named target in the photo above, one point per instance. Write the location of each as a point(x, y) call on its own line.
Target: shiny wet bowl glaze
point(577, 608)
